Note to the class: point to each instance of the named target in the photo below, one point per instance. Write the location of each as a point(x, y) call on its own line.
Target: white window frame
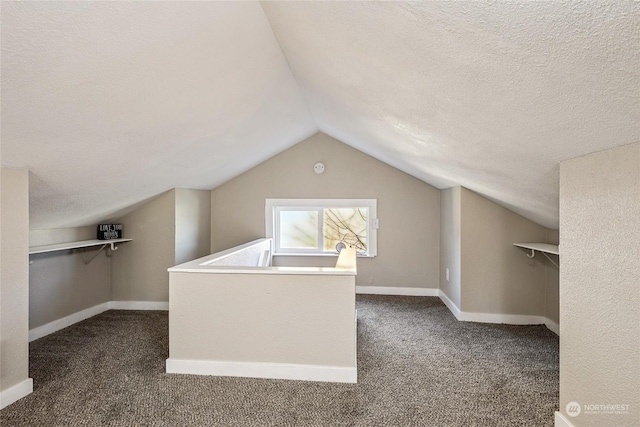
point(274, 206)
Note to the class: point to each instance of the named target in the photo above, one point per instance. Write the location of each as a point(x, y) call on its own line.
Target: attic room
point(466, 128)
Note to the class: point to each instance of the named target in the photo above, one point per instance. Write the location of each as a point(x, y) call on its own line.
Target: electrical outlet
point(447, 273)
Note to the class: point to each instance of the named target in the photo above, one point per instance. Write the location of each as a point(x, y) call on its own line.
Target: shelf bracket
point(533, 254)
point(96, 255)
point(112, 247)
point(549, 258)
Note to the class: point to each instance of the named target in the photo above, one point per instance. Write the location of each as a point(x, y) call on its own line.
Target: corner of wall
point(193, 224)
point(169, 229)
point(408, 208)
point(139, 268)
point(552, 286)
point(449, 260)
point(212, 243)
point(14, 284)
point(62, 283)
point(496, 277)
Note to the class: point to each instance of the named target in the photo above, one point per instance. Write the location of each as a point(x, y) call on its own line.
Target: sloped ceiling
point(488, 95)
point(110, 103)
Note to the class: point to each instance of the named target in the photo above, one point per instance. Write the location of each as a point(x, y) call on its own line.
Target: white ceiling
point(110, 103)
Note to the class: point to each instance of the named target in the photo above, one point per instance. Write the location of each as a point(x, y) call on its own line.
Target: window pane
point(299, 229)
point(347, 225)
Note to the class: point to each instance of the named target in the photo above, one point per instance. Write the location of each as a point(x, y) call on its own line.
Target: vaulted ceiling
point(110, 103)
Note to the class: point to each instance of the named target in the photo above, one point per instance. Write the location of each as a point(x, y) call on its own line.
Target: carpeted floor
point(417, 366)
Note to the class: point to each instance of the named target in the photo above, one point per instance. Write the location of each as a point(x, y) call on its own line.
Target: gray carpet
point(417, 366)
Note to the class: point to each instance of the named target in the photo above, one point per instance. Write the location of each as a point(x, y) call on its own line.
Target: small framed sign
point(109, 231)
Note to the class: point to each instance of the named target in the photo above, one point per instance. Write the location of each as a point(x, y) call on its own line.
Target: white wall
point(599, 285)
point(409, 209)
point(14, 286)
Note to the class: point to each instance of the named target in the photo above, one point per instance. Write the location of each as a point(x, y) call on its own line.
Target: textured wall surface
point(14, 277)
point(450, 206)
point(552, 281)
point(193, 224)
point(599, 278)
point(139, 271)
point(409, 210)
point(60, 283)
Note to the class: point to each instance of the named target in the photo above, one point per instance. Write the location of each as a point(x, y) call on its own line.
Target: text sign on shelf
point(109, 231)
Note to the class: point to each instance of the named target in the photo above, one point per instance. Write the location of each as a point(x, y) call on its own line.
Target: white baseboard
point(562, 421)
point(139, 305)
point(552, 326)
point(510, 319)
point(16, 392)
point(56, 325)
point(389, 290)
point(450, 305)
point(66, 321)
point(281, 371)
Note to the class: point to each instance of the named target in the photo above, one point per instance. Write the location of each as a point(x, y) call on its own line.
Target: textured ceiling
point(488, 95)
point(110, 103)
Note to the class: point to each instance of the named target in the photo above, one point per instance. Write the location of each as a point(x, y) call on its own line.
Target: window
point(319, 226)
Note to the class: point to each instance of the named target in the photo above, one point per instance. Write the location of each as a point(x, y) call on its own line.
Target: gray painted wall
point(14, 277)
point(497, 277)
point(60, 283)
point(409, 209)
point(170, 229)
point(450, 206)
point(139, 272)
point(599, 284)
point(487, 274)
point(300, 319)
point(193, 224)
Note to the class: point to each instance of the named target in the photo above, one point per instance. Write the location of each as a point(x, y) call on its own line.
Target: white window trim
point(310, 204)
